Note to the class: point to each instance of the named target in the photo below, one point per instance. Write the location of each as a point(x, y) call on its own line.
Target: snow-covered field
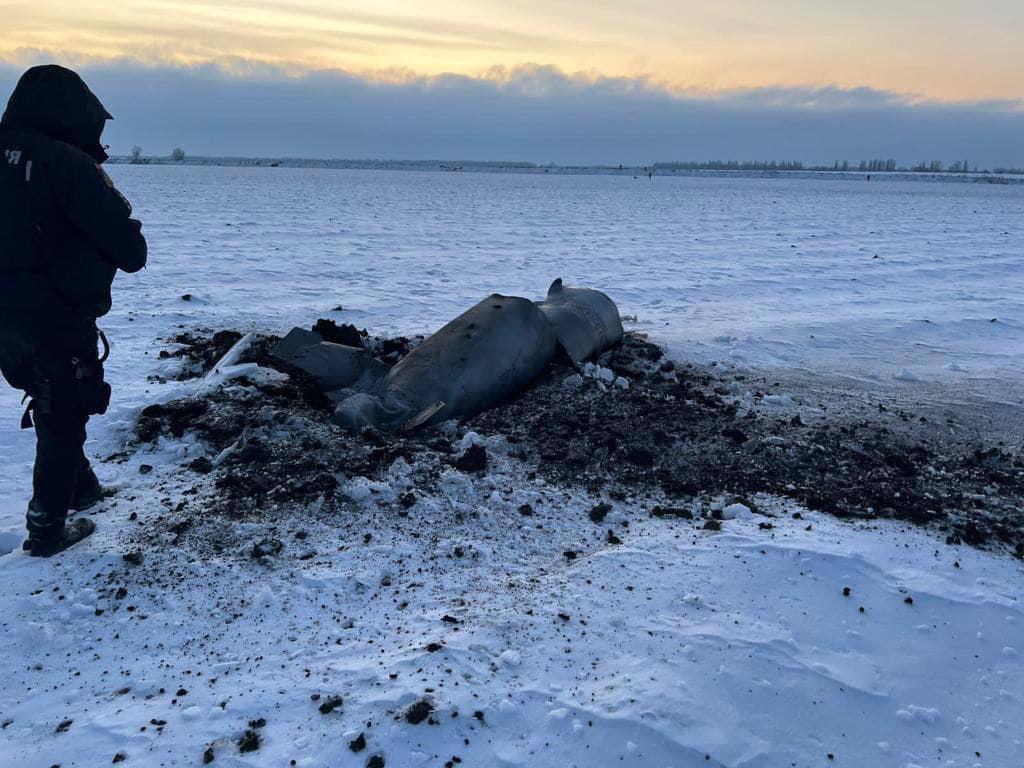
point(678, 647)
point(758, 271)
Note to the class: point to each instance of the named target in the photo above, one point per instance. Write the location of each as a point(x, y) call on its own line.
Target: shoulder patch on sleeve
point(110, 183)
point(103, 175)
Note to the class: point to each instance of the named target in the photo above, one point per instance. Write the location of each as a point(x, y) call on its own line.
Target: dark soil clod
point(202, 465)
point(267, 548)
point(473, 460)
point(358, 744)
point(330, 704)
point(345, 334)
point(134, 557)
point(249, 742)
point(418, 712)
point(599, 513)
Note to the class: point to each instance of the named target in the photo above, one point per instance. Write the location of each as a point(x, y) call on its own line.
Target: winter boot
point(70, 534)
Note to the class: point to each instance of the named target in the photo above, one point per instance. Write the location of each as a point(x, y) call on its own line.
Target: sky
point(569, 81)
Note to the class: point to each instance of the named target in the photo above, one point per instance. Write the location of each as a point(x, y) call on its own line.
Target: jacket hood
point(56, 102)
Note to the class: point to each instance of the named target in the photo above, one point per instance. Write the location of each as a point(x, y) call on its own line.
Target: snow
point(738, 645)
point(678, 647)
point(754, 271)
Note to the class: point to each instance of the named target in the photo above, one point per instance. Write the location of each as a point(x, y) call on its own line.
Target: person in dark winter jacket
point(65, 230)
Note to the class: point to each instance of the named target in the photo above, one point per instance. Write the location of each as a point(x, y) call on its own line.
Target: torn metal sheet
point(334, 366)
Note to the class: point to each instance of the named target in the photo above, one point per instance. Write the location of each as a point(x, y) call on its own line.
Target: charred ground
point(678, 432)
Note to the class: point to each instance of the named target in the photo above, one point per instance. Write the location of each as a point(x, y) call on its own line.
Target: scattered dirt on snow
point(679, 434)
point(679, 430)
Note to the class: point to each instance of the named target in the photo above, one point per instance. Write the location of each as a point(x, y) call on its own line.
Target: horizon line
point(791, 165)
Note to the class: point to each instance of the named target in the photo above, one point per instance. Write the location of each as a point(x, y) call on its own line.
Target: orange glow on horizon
point(932, 50)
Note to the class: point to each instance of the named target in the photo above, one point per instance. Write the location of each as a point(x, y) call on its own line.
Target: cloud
point(535, 113)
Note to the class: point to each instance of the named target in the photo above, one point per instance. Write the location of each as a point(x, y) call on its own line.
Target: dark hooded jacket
point(64, 228)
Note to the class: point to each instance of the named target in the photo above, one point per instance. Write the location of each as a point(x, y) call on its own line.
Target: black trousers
point(53, 358)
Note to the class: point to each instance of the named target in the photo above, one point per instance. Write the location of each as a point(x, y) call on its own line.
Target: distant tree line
point(889, 165)
point(732, 165)
point(136, 157)
point(875, 165)
point(871, 166)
